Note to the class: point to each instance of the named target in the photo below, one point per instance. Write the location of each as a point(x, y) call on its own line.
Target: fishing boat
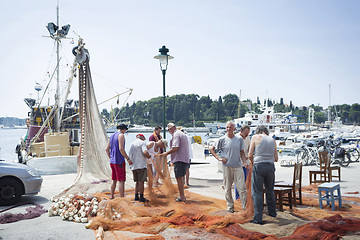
point(51, 144)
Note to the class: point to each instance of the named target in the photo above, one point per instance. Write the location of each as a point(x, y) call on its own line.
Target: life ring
point(28, 122)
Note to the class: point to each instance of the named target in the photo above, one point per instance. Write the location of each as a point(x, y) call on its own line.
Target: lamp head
point(163, 57)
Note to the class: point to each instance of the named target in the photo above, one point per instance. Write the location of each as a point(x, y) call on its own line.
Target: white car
point(16, 180)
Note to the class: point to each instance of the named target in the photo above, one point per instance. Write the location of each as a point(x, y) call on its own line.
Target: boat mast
point(329, 108)
point(57, 96)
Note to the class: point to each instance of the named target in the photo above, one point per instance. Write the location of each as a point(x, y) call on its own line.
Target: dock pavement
point(205, 179)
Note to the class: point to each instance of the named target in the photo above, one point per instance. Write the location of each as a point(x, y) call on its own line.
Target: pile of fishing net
point(31, 212)
point(206, 218)
point(162, 211)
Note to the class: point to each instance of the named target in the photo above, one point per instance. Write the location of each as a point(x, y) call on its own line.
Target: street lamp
point(164, 59)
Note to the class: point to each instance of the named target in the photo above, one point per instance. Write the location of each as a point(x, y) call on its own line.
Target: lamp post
point(164, 59)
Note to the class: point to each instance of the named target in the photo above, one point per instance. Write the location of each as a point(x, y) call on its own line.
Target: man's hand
point(245, 164)
point(223, 160)
point(129, 161)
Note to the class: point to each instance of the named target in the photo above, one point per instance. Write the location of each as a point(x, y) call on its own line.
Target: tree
point(231, 104)
point(319, 117)
point(105, 114)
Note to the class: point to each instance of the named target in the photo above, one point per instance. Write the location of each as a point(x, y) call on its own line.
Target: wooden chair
point(295, 185)
point(324, 172)
point(280, 196)
point(334, 168)
point(283, 195)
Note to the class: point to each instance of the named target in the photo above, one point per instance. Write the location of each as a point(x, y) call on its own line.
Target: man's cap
point(122, 126)
point(170, 125)
point(140, 135)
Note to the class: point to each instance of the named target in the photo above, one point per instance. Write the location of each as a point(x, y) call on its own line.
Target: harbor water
point(10, 137)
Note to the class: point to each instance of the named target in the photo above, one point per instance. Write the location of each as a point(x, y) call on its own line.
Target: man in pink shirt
point(179, 152)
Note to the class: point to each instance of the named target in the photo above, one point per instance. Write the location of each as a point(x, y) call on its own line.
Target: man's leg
point(122, 188)
point(269, 180)
point(113, 186)
point(188, 173)
point(239, 179)
point(187, 176)
point(236, 192)
point(257, 182)
point(136, 191)
point(141, 190)
point(180, 182)
point(228, 181)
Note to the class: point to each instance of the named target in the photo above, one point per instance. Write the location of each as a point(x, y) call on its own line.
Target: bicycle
point(308, 154)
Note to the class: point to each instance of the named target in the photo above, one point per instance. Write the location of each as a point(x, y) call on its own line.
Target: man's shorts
point(118, 171)
point(180, 169)
point(140, 175)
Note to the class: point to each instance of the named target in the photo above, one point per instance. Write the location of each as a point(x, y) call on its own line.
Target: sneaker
point(137, 199)
point(180, 200)
point(256, 222)
point(143, 200)
point(231, 210)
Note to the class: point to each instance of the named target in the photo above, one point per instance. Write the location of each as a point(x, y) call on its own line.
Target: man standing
point(244, 134)
point(263, 154)
point(187, 176)
point(160, 163)
point(156, 136)
point(179, 150)
point(139, 154)
point(231, 153)
point(116, 152)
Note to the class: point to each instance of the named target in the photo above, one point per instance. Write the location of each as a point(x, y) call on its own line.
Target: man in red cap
point(139, 154)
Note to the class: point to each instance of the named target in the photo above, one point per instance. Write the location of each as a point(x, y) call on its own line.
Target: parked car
point(16, 180)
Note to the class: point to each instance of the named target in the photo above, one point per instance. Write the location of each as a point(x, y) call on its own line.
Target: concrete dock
point(205, 179)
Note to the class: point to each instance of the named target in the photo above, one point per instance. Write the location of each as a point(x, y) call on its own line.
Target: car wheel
point(10, 191)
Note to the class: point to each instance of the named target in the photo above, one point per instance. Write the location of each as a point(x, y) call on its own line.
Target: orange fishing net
point(207, 217)
point(162, 211)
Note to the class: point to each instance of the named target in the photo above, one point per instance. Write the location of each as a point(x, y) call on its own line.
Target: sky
point(273, 49)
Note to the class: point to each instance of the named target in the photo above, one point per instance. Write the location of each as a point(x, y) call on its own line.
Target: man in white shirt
point(138, 154)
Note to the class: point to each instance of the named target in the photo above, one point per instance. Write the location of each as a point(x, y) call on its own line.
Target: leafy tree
point(319, 117)
point(231, 104)
point(180, 109)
